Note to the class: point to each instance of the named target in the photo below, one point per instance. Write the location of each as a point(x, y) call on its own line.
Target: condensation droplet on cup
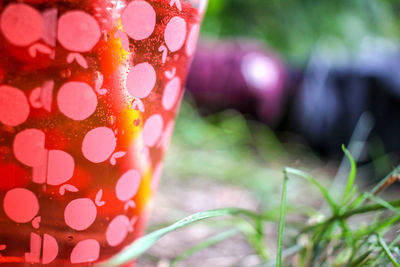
point(96, 75)
point(131, 48)
point(136, 122)
point(105, 36)
point(110, 6)
point(111, 119)
point(65, 73)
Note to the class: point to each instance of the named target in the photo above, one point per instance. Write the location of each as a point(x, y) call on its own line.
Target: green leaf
point(141, 245)
point(361, 259)
point(352, 175)
point(382, 202)
point(389, 254)
point(313, 181)
point(282, 221)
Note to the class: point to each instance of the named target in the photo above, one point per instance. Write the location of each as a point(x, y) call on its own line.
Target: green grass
point(359, 229)
point(336, 240)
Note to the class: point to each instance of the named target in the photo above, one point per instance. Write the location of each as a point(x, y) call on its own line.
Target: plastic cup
point(89, 91)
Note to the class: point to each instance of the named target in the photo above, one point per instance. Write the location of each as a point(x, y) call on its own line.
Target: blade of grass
point(360, 260)
point(143, 244)
point(397, 239)
point(282, 221)
point(396, 171)
point(352, 175)
point(383, 225)
point(205, 244)
point(389, 254)
point(382, 202)
point(255, 237)
point(350, 213)
point(313, 181)
point(376, 190)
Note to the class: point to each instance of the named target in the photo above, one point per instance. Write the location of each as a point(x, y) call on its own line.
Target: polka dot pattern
point(139, 20)
point(85, 251)
point(88, 98)
point(76, 100)
point(141, 80)
point(128, 185)
point(21, 24)
point(78, 31)
point(14, 107)
point(117, 230)
point(28, 147)
point(175, 33)
point(152, 130)
point(21, 205)
point(171, 93)
point(80, 214)
point(99, 144)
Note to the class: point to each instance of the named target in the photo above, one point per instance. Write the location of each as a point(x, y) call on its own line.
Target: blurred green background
point(294, 27)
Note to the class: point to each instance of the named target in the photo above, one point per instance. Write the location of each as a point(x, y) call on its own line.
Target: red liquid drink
point(89, 90)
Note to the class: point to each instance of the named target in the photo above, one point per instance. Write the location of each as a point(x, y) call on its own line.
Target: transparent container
point(89, 91)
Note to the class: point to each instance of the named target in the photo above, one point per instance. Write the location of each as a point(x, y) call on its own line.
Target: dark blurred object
point(241, 75)
point(323, 103)
point(332, 99)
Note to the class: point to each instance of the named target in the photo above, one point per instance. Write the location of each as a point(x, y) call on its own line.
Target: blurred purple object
point(238, 74)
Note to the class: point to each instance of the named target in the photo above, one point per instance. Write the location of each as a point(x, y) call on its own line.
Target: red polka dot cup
point(89, 91)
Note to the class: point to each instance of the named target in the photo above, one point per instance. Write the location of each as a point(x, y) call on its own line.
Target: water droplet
point(96, 75)
point(110, 5)
point(66, 73)
point(111, 120)
point(131, 48)
point(106, 36)
point(136, 122)
point(70, 238)
point(115, 131)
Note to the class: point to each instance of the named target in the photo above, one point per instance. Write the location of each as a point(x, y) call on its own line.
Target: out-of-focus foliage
point(293, 27)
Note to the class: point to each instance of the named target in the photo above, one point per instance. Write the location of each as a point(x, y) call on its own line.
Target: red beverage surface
point(89, 91)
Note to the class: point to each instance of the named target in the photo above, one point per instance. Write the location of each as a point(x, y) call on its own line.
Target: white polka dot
point(117, 230)
point(128, 185)
point(192, 40)
point(28, 147)
point(60, 167)
point(171, 93)
point(50, 249)
point(152, 130)
point(78, 31)
point(80, 214)
point(77, 100)
point(99, 144)
point(86, 251)
point(14, 106)
point(20, 205)
point(175, 33)
point(21, 24)
point(141, 80)
point(139, 20)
